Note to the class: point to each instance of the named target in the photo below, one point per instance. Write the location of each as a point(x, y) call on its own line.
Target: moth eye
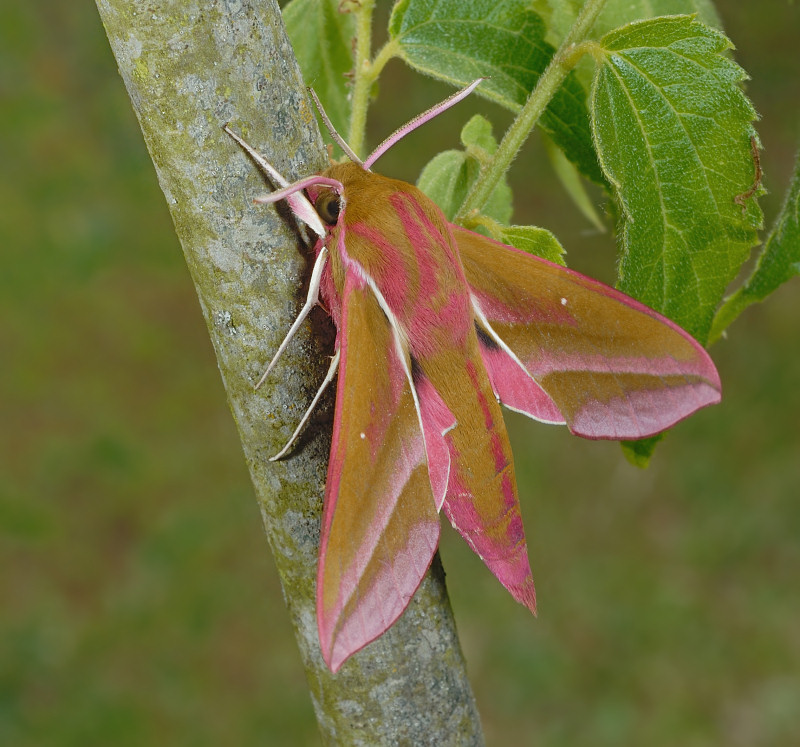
point(328, 205)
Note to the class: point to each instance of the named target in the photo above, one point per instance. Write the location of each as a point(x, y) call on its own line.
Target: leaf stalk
point(569, 53)
point(364, 75)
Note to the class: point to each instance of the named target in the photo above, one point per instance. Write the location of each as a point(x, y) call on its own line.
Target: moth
point(436, 327)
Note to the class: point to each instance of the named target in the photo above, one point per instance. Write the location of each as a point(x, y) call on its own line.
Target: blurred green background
point(140, 604)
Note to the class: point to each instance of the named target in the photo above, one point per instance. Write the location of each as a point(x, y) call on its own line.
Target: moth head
point(328, 205)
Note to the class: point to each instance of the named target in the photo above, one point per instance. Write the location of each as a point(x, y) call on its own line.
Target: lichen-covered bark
point(189, 68)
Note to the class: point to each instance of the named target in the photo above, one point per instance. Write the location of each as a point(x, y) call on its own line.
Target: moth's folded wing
point(481, 501)
point(380, 527)
point(612, 367)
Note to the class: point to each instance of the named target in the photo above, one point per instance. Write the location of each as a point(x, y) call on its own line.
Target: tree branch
point(189, 68)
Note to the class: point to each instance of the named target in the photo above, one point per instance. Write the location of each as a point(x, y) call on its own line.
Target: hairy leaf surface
point(534, 240)
point(672, 129)
point(458, 41)
point(778, 262)
point(561, 14)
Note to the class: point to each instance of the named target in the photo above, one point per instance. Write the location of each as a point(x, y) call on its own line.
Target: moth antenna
point(295, 187)
point(348, 151)
point(328, 378)
point(272, 172)
point(299, 204)
point(420, 119)
point(311, 300)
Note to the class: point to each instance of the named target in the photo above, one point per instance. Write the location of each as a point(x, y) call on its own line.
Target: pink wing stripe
point(437, 421)
point(549, 361)
point(514, 387)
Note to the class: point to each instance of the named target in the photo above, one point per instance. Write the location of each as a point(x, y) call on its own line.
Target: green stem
point(364, 75)
point(386, 53)
point(567, 56)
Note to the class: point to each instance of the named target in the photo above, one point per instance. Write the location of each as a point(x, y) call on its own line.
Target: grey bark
point(189, 68)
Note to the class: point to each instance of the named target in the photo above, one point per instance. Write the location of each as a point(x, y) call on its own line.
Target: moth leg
point(311, 300)
point(328, 378)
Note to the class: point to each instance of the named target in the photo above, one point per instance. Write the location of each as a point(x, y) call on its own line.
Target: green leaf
point(534, 240)
point(619, 12)
point(638, 453)
point(321, 37)
point(672, 130)
point(477, 136)
point(778, 262)
point(459, 41)
point(616, 13)
point(448, 176)
point(573, 184)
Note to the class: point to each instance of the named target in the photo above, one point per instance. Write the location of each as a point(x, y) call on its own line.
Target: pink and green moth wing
point(405, 247)
point(380, 527)
point(612, 367)
point(481, 500)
